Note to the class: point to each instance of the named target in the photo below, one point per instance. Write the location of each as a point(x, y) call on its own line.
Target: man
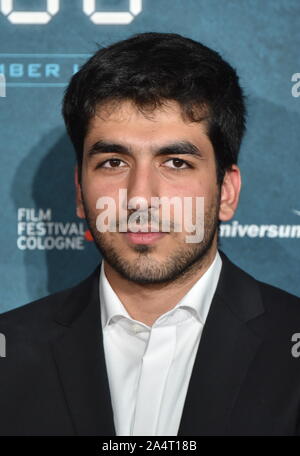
point(166, 336)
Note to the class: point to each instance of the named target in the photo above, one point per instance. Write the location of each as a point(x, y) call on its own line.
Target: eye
point(178, 161)
point(113, 161)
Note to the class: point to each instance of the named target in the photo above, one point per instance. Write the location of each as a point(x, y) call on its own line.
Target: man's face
point(130, 157)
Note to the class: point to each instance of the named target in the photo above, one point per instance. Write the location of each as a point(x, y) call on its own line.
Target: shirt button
point(136, 328)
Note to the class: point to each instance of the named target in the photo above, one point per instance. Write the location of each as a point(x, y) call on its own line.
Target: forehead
point(124, 122)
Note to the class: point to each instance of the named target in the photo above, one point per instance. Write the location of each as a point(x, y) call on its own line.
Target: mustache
point(145, 219)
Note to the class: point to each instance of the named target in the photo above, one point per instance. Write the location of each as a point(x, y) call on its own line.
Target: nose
point(142, 185)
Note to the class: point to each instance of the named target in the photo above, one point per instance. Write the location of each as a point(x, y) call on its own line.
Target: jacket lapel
point(226, 349)
point(228, 345)
point(80, 360)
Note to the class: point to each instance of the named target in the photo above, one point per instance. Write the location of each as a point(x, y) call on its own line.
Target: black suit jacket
point(245, 380)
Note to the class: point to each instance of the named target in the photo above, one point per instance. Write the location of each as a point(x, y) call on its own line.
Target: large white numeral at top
point(2, 87)
point(29, 17)
point(89, 8)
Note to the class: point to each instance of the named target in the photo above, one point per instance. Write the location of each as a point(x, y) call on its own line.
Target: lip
point(143, 238)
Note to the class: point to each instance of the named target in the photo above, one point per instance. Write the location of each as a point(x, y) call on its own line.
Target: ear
point(230, 192)
point(79, 204)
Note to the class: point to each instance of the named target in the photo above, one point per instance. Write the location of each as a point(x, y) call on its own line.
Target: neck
point(148, 302)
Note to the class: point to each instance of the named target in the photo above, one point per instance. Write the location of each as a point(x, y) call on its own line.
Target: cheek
point(96, 190)
point(203, 197)
point(91, 192)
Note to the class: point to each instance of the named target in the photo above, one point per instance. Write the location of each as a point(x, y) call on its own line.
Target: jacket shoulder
point(255, 297)
point(43, 309)
point(279, 301)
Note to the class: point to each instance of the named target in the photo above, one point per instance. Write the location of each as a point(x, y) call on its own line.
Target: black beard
point(182, 264)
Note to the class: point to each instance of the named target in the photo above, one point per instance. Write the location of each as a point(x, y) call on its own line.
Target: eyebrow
point(174, 148)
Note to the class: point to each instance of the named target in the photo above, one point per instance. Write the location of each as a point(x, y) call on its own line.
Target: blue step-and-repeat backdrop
point(44, 246)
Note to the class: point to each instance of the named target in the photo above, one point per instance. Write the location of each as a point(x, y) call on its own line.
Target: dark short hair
point(151, 68)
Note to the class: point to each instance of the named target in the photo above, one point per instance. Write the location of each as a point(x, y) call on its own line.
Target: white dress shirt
point(149, 367)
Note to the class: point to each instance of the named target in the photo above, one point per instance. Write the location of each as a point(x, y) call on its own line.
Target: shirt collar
point(197, 300)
